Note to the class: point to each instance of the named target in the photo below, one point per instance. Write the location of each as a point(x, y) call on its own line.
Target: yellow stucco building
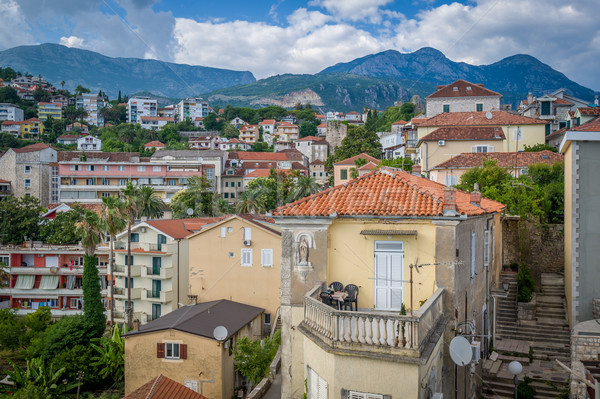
point(182, 347)
point(238, 259)
point(402, 240)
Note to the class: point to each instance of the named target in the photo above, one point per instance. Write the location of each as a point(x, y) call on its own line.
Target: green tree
point(114, 221)
point(36, 324)
point(539, 147)
point(9, 95)
point(357, 141)
point(308, 129)
point(110, 354)
point(211, 122)
point(401, 163)
point(252, 201)
point(12, 329)
point(305, 186)
point(67, 332)
point(91, 230)
point(38, 373)
point(253, 357)
point(41, 95)
point(79, 90)
point(62, 229)
point(198, 196)
point(231, 132)
point(19, 218)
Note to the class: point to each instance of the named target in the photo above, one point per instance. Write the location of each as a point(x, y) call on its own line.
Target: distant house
point(234, 145)
point(77, 125)
point(237, 122)
point(67, 139)
point(313, 148)
point(268, 126)
point(89, 143)
point(461, 96)
point(342, 169)
point(249, 134)
point(287, 132)
point(182, 346)
point(162, 387)
point(154, 145)
point(46, 110)
point(353, 116)
point(318, 172)
point(138, 107)
point(322, 129)
point(397, 127)
point(10, 112)
point(31, 128)
point(154, 122)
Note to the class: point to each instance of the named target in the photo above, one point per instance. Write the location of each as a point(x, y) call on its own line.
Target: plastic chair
point(337, 286)
point(352, 298)
point(326, 299)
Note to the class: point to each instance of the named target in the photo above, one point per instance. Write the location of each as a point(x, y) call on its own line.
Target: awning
point(389, 232)
point(49, 283)
point(25, 282)
point(34, 296)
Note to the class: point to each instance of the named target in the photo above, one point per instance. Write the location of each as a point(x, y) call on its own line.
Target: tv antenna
point(460, 351)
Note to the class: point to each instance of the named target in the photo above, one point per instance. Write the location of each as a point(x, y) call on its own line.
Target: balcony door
point(389, 275)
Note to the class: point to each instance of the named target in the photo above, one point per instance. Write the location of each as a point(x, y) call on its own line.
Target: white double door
point(389, 275)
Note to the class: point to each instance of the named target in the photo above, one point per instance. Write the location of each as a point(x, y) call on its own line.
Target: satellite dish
point(190, 211)
point(460, 351)
point(488, 115)
point(134, 182)
point(220, 333)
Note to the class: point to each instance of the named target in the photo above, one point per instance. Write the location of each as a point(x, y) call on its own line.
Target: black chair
point(326, 299)
point(352, 298)
point(337, 286)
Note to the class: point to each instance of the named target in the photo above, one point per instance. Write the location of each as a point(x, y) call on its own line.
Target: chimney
point(449, 204)
point(596, 101)
point(529, 98)
point(416, 170)
point(476, 195)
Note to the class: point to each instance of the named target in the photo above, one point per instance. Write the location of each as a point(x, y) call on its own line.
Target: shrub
point(68, 332)
point(525, 390)
point(525, 284)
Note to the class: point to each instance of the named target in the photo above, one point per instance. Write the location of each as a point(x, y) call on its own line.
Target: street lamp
point(515, 369)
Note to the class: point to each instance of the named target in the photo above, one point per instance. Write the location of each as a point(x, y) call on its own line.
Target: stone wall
point(585, 344)
point(335, 133)
point(541, 247)
point(596, 308)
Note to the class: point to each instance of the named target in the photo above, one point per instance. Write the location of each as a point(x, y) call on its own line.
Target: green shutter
point(479, 107)
point(446, 107)
point(156, 264)
point(344, 174)
point(545, 107)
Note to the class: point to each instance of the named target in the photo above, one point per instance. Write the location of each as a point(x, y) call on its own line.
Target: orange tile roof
point(350, 161)
point(504, 159)
point(322, 125)
point(4, 181)
point(557, 133)
point(463, 89)
point(465, 133)
point(400, 122)
point(479, 119)
point(154, 143)
point(263, 156)
point(417, 121)
point(368, 166)
point(162, 387)
point(157, 118)
point(311, 138)
point(589, 111)
point(267, 172)
point(317, 162)
point(267, 122)
point(181, 228)
point(32, 148)
point(385, 192)
point(68, 136)
point(590, 126)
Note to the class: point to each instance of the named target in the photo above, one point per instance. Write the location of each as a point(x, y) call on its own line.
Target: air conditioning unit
point(441, 142)
point(142, 229)
point(476, 347)
point(247, 243)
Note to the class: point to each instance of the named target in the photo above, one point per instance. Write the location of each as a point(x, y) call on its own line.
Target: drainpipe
point(178, 295)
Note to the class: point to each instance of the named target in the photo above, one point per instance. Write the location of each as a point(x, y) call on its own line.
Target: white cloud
point(71, 41)
point(14, 29)
point(353, 10)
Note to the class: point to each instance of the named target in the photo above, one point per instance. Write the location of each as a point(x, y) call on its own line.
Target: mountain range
point(376, 80)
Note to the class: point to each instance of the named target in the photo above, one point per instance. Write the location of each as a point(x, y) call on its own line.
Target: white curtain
point(25, 282)
point(49, 283)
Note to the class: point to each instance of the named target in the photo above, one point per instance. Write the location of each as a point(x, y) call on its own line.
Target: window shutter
point(160, 350)
point(183, 351)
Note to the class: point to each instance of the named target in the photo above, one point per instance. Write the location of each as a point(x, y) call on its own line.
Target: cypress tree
point(93, 310)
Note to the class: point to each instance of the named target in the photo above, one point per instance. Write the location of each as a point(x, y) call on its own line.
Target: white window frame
point(27, 183)
point(27, 169)
point(121, 168)
point(156, 168)
point(317, 387)
point(246, 257)
point(105, 168)
point(141, 168)
point(223, 232)
point(517, 133)
point(266, 257)
point(486, 248)
point(5, 259)
point(172, 347)
point(74, 303)
point(90, 168)
point(482, 148)
point(363, 395)
point(74, 167)
point(247, 233)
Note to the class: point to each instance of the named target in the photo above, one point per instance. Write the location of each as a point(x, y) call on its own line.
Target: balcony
point(164, 274)
point(121, 270)
point(158, 296)
point(121, 293)
point(372, 332)
point(122, 245)
point(59, 271)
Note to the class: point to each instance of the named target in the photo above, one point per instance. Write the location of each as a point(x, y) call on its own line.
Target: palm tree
point(305, 186)
point(91, 228)
point(252, 201)
point(137, 202)
point(113, 217)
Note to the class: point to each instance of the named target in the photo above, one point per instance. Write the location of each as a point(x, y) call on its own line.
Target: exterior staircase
point(546, 338)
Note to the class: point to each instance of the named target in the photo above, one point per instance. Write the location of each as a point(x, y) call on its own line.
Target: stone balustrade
point(372, 330)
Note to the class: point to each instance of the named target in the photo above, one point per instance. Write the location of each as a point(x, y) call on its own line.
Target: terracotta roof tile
point(4, 181)
point(33, 148)
point(480, 119)
point(368, 166)
point(162, 387)
point(463, 89)
point(154, 143)
point(68, 136)
point(262, 156)
point(589, 111)
point(590, 126)
point(267, 172)
point(400, 122)
point(385, 192)
point(311, 138)
point(267, 122)
point(350, 161)
point(556, 133)
point(317, 162)
point(157, 118)
point(504, 159)
point(181, 228)
point(465, 133)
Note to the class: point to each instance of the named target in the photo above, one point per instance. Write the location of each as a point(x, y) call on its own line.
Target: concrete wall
point(570, 170)
point(213, 274)
point(541, 247)
point(435, 106)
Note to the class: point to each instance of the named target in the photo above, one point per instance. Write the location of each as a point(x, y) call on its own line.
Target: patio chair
point(326, 299)
point(352, 298)
point(337, 286)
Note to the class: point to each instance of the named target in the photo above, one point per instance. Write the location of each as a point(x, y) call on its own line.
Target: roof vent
point(455, 88)
point(468, 87)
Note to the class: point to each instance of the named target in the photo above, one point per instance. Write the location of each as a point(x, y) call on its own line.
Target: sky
point(306, 36)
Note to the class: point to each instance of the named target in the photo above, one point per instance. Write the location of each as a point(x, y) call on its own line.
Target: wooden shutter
point(183, 351)
point(160, 350)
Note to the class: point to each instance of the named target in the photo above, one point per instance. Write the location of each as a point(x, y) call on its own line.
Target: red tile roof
point(157, 118)
point(267, 172)
point(267, 122)
point(32, 148)
point(369, 166)
point(162, 387)
point(322, 125)
point(311, 138)
point(480, 119)
point(259, 165)
point(465, 133)
point(350, 161)
point(463, 89)
point(317, 162)
point(557, 133)
point(385, 192)
point(181, 228)
point(589, 111)
point(400, 122)
point(470, 160)
point(4, 181)
point(590, 126)
point(417, 121)
point(154, 143)
point(68, 137)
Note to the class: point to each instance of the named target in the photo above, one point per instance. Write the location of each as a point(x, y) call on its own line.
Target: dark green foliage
point(68, 332)
point(253, 359)
point(400, 163)
point(198, 196)
point(211, 122)
point(230, 132)
point(12, 329)
point(531, 354)
point(61, 229)
point(357, 141)
point(525, 284)
point(79, 358)
point(39, 377)
point(525, 390)
point(539, 147)
point(9, 95)
point(93, 310)
point(42, 95)
point(7, 74)
point(110, 354)
point(36, 324)
point(268, 192)
point(308, 129)
point(19, 218)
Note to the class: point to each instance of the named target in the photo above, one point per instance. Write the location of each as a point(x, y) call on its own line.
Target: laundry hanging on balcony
point(70, 282)
point(49, 283)
point(24, 282)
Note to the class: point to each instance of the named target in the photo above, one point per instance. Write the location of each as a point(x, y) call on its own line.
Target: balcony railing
point(121, 270)
point(121, 293)
point(158, 296)
point(139, 245)
point(373, 331)
point(164, 273)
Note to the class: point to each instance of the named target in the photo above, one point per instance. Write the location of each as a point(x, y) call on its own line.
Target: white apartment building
point(192, 108)
point(89, 143)
point(92, 104)
point(141, 106)
point(9, 112)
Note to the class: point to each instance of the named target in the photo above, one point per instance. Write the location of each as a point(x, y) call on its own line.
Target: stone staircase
point(546, 338)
